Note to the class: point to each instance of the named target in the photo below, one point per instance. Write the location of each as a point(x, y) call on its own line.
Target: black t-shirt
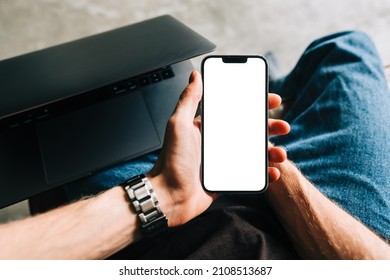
point(234, 227)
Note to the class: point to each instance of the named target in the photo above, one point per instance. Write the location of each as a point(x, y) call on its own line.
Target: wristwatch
point(145, 204)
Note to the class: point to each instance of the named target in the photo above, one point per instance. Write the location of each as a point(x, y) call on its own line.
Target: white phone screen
point(234, 124)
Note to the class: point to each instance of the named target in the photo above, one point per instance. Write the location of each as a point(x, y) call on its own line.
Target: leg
point(340, 122)
point(110, 177)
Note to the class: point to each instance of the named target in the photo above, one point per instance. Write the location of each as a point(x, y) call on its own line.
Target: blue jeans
point(340, 129)
point(340, 125)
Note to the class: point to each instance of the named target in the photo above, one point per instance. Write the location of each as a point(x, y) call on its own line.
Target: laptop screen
point(62, 71)
point(52, 101)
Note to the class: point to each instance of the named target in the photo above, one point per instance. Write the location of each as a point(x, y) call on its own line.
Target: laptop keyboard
point(143, 80)
point(92, 97)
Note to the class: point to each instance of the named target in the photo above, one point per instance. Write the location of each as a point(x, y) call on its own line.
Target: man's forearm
point(93, 228)
point(317, 226)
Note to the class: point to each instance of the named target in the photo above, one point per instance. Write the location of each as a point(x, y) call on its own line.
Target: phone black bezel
point(239, 59)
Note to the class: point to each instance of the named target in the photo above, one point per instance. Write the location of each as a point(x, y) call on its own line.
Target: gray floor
point(236, 26)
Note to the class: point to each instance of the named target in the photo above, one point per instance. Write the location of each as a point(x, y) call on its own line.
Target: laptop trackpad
point(75, 144)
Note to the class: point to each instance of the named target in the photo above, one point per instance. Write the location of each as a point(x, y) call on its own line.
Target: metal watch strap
point(145, 203)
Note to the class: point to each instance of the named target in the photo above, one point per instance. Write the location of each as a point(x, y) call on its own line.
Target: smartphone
point(234, 112)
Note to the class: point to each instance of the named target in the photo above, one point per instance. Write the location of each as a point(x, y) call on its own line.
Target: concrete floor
point(236, 26)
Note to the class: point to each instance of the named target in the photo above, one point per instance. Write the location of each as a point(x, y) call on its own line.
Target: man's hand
point(276, 127)
point(176, 175)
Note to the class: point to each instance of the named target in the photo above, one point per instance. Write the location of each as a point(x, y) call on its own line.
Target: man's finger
point(190, 97)
point(274, 101)
point(273, 173)
point(278, 127)
point(277, 154)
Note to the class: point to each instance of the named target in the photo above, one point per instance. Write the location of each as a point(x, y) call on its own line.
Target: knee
point(348, 46)
point(347, 36)
point(355, 36)
point(356, 39)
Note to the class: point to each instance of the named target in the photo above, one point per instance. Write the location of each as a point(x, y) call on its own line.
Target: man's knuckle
point(189, 94)
point(172, 121)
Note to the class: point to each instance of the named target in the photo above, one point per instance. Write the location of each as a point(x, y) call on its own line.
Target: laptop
point(74, 109)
